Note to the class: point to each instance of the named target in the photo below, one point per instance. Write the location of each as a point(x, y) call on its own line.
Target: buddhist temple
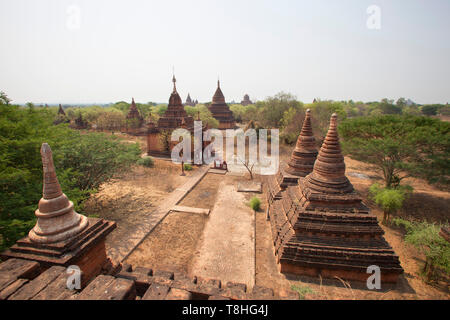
point(61, 110)
point(189, 101)
point(61, 236)
point(61, 116)
point(300, 164)
point(79, 123)
point(246, 100)
point(158, 137)
point(322, 228)
point(221, 111)
point(134, 120)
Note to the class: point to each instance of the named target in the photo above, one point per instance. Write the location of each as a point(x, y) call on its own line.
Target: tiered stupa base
point(338, 242)
point(278, 183)
point(85, 250)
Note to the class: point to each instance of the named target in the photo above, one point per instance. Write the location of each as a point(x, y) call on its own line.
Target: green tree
point(430, 109)
point(400, 146)
point(4, 98)
point(425, 237)
point(389, 199)
point(83, 162)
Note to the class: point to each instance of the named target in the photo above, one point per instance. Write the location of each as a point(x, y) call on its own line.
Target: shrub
point(389, 199)
point(146, 162)
point(425, 237)
point(302, 291)
point(255, 204)
point(187, 167)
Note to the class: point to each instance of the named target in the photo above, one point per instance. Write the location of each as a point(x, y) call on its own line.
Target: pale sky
point(125, 49)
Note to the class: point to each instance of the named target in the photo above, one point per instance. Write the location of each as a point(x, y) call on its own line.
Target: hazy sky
point(124, 49)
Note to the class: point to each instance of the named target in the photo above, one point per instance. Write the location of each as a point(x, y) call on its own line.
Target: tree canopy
point(400, 146)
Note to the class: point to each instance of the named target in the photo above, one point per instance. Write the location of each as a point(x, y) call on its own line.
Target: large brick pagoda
point(322, 228)
point(300, 164)
point(175, 115)
point(221, 111)
point(158, 136)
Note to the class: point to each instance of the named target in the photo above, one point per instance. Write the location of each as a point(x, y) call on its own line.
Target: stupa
point(61, 110)
point(220, 110)
point(322, 228)
point(61, 236)
point(79, 123)
point(301, 162)
point(134, 120)
point(246, 100)
point(189, 101)
point(158, 137)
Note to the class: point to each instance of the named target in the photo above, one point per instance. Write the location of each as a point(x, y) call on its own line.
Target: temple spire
point(174, 80)
point(305, 152)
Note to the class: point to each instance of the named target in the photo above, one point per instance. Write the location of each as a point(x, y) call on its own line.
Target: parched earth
point(127, 199)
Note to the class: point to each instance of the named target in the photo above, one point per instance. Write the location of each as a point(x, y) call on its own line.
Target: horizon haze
point(83, 52)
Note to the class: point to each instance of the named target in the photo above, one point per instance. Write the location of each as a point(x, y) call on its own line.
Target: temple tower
point(246, 100)
point(158, 137)
point(322, 228)
point(189, 101)
point(300, 164)
point(221, 111)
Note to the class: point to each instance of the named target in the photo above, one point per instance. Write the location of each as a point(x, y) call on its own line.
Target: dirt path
point(227, 249)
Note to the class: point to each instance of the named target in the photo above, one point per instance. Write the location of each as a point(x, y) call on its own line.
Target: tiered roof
point(305, 152)
point(175, 114)
point(220, 110)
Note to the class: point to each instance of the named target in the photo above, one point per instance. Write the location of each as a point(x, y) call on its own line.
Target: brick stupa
point(158, 136)
point(300, 164)
point(61, 236)
point(246, 100)
point(189, 101)
point(175, 114)
point(322, 228)
point(134, 120)
point(221, 111)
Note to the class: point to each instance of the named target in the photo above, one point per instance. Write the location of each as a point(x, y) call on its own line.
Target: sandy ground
point(205, 192)
point(171, 244)
point(128, 198)
point(227, 247)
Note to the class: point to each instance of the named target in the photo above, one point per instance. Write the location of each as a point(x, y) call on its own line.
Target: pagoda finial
point(174, 80)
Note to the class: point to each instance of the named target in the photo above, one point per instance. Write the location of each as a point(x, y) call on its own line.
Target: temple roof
point(61, 110)
point(175, 99)
point(218, 95)
point(133, 112)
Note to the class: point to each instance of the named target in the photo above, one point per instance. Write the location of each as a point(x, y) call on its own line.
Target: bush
point(425, 237)
point(390, 200)
point(302, 291)
point(187, 167)
point(255, 204)
point(146, 162)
